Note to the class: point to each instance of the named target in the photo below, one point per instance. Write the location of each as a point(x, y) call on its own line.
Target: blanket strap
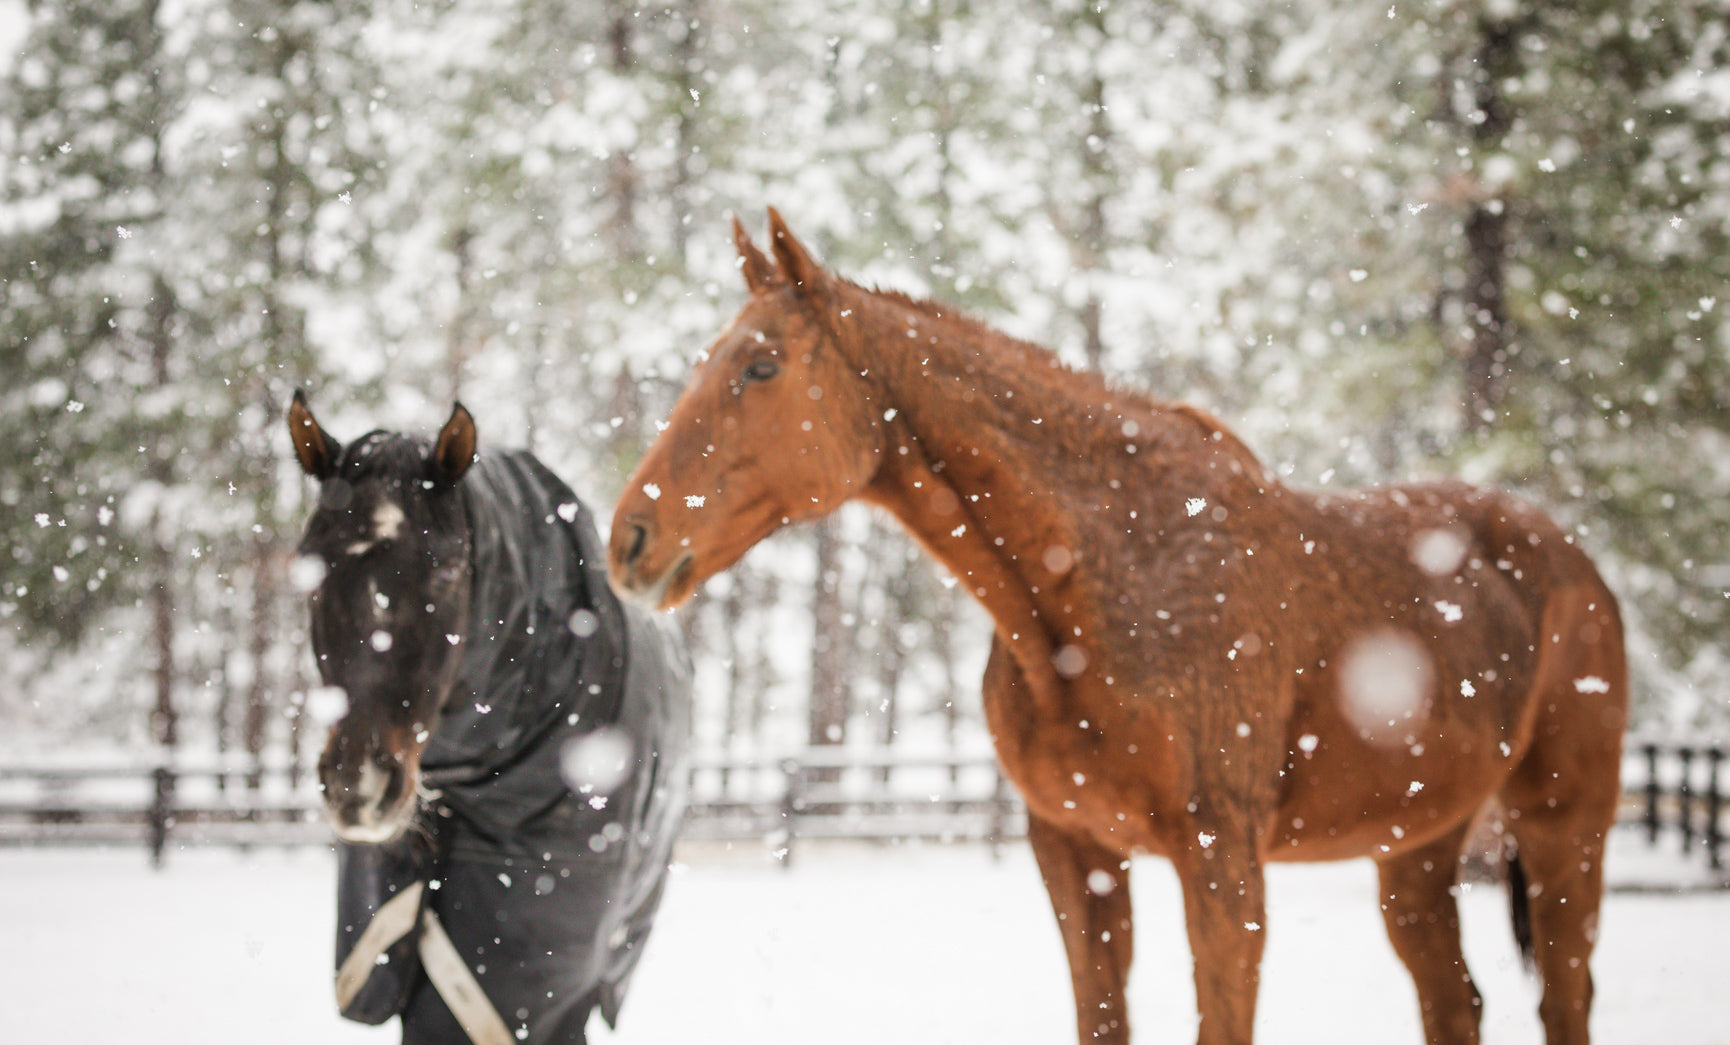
point(458, 986)
point(449, 974)
point(391, 923)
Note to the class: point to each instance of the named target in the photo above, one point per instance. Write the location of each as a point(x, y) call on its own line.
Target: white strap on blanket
point(449, 974)
point(390, 924)
point(458, 986)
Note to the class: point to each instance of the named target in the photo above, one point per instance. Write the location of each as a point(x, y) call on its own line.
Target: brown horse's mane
point(1086, 399)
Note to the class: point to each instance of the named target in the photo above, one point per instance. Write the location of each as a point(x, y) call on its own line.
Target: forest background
point(1380, 239)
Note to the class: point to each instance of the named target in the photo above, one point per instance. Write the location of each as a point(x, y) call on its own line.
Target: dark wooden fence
point(778, 801)
point(154, 805)
point(1672, 789)
point(1677, 790)
point(874, 795)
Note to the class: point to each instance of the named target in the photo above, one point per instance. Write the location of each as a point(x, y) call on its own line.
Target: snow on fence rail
point(818, 793)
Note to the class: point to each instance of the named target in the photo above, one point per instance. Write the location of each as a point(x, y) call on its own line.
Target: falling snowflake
point(1449, 611)
point(651, 491)
point(597, 762)
point(1591, 684)
point(695, 500)
point(1194, 505)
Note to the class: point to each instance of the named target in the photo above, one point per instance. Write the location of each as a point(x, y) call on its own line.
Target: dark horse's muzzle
point(368, 779)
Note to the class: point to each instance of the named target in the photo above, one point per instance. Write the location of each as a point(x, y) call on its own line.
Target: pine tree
point(88, 325)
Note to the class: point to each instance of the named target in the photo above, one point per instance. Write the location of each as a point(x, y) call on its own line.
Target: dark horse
point(508, 776)
point(1190, 659)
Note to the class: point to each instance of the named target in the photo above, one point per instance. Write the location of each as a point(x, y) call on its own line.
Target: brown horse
point(1190, 658)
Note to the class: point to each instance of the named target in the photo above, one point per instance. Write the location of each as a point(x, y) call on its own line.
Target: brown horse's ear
point(455, 449)
point(314, 448)
point(758, 272)
point(796, 262)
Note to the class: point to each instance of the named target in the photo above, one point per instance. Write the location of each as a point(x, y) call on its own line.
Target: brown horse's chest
point(1110, 766)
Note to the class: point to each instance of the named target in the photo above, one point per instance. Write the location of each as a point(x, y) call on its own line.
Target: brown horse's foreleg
point(1423, 922)
point(1089, 888)
point(1225, 911)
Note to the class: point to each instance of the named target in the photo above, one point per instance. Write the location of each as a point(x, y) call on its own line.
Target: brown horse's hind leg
point(1423, 922)
point(1561, 847)
point(1562, 798)
point(1089, 887)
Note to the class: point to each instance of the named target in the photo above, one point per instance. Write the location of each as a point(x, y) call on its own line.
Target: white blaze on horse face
point(387, 520)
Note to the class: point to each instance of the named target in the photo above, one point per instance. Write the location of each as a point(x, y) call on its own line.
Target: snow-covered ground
point(851, 944)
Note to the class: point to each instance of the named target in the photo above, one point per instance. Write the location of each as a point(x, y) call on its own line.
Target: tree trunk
point(830, 645)
point(1096, 170)
point(622, 233)
point(688, 80)
point(1490, 345)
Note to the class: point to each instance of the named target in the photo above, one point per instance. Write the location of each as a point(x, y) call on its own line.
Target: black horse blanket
point(529, 886)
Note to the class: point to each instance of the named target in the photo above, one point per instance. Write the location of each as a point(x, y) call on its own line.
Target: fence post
point(1685, 798)
point(1652, 793)
point(792, 798)
point(999, 810)
point(160, 814)
point(1714, 803)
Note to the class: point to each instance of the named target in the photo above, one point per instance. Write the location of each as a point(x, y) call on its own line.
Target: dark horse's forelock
point(380, 454)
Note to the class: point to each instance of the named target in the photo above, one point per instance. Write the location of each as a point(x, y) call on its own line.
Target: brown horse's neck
point(995, 453)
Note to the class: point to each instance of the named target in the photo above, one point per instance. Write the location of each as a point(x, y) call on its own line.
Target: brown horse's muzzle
point(639, 568)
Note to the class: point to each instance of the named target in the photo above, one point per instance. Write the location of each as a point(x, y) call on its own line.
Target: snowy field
point(851, 945)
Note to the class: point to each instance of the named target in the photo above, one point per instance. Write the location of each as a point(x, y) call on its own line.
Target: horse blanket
point(528, 886)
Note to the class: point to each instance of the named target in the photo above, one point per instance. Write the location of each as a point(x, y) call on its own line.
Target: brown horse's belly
point(1354, 801)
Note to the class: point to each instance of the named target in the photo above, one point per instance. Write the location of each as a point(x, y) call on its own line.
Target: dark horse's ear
point(757, 269)
point(314, 448)
point(796, 262)
point(455, 449)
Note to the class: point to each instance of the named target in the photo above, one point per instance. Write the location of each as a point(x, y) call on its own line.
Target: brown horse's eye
point(759, 370)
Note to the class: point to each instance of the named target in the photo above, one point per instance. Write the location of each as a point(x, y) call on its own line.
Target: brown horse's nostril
point(639, 541)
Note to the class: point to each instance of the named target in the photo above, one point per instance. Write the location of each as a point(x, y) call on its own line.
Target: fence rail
point(1677, 788)
point(1669, 787)
point(114, 805)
